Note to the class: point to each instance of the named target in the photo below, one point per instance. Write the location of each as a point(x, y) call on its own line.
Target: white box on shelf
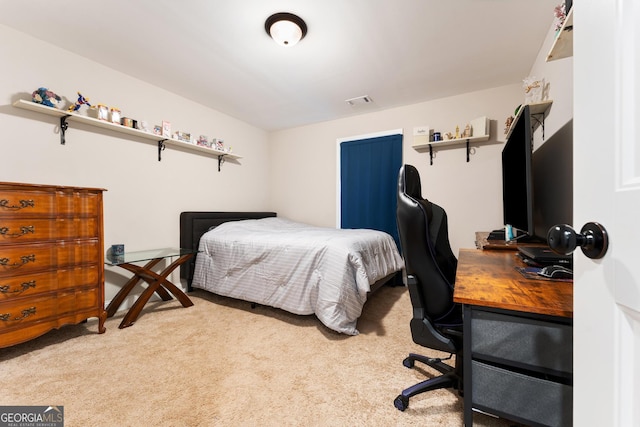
point(422, 135)
point(480, 126)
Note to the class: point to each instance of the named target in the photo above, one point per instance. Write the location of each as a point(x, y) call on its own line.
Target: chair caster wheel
point(401, 402)
point(408, 362)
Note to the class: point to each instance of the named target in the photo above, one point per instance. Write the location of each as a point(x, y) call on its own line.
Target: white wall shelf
point(66, 116)
point(563, 44)
point(430, 145)
point(538, 110)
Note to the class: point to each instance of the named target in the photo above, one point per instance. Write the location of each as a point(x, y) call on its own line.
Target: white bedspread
point(296, 267)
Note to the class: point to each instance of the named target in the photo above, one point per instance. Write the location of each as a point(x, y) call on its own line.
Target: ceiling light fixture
point(286, 29)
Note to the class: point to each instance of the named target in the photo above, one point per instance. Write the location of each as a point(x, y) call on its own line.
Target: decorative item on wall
point(507, 124)
point(203, 141)
point(466, 133)
point(422, 134)
point(103, 112)
point(560, 13)
point(142, 125)
point(166, 129)
point(44, 96)
point(79, 103)
point(182, 136)
point(46, 101)
point(533, 89)
point(116, 115)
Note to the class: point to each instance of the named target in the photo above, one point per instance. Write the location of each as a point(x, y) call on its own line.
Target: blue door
point(368, 183)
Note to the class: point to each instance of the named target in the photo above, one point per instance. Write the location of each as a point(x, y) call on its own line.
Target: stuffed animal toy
point(44, 96)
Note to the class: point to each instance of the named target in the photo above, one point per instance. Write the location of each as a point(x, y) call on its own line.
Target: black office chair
point(431, 270)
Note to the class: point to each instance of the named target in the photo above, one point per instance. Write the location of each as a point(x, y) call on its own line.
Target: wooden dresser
point(51, 259)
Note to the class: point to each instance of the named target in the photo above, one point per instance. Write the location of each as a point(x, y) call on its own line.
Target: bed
point(303, 269)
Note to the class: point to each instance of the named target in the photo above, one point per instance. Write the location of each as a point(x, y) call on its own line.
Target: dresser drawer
point(26, 311)
point(525, 342)
point(51, 203)
point(25, 258)
point(19, 203)
point(532, 399)
point(37, 283)
point(77, 300)
point(78, 202)
point(22, 230)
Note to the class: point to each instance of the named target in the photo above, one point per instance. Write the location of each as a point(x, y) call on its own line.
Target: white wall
point(303, 160)
point(558, 76)
point(144, 197)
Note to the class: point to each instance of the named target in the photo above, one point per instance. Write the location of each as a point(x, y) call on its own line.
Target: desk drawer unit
point(51, 259)
point(522, 365)
point(526, 397)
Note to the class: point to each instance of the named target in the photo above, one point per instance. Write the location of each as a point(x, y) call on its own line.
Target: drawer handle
point(4, 203)
point(24, 260)
point(25, 229)
point(6, 317)
point(6, 289)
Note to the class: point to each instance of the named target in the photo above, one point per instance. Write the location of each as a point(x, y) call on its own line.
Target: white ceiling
point(217, 53)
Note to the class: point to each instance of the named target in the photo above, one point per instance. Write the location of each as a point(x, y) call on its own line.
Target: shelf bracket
point(430, 155)
point(540, 122)
point(220, 161)
point(161, 147)
point(467, 150)
point(63, 128)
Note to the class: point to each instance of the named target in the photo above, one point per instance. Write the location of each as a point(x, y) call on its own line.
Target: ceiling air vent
point(359, 100)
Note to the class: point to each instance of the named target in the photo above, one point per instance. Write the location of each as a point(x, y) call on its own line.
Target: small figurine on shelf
point(203, 141)
point(116, 115)
point(560, 13)
point(103, 112)
point(44, 96)
point(507, 124)
point(467, 131)
point(79, 103)
point(143, 125)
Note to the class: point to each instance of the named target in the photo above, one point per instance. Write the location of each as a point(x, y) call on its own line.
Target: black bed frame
point(194, 224)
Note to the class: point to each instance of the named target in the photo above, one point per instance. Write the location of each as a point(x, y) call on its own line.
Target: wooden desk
point(518, 340)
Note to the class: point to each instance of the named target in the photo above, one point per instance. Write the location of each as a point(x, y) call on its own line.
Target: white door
point(607, 190)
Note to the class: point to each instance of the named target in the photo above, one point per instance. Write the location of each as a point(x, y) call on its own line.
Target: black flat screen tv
point(553, 182)
point(517, 176)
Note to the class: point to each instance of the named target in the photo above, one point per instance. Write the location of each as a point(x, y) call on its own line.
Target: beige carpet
point(222, 363)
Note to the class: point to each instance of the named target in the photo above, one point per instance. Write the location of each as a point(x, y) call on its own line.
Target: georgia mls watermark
point(31, 416)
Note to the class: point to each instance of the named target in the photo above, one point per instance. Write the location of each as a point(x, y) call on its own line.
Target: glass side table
point(157, 282)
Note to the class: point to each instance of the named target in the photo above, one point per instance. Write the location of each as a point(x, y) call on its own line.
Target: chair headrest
point(410, 182)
